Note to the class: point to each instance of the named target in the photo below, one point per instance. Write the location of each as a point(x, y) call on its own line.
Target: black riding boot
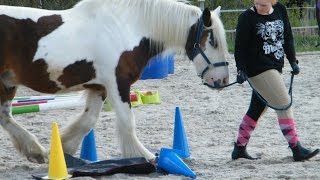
point(300, 153)
point(241, 152)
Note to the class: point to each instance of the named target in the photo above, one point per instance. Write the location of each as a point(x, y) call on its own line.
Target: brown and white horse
point(100, 46)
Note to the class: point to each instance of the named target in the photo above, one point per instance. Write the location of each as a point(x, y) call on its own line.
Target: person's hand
point(241, 77)
point(295, 67)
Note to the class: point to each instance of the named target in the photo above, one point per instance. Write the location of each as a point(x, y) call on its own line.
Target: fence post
point(40, 4)
point(318, 15)
point(201, 4)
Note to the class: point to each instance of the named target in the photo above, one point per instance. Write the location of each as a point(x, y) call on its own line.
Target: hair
point(273, 2)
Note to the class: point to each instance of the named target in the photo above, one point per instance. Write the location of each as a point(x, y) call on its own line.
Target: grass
point(302, 43)
point(306, 43)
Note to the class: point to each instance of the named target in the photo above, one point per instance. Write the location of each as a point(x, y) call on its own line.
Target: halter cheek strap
point(197, 49)
point(197, 46)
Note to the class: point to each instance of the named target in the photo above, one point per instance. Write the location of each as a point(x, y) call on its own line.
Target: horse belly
point(46, 78)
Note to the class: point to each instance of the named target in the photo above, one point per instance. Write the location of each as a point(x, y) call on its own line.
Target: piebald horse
point(100, 46)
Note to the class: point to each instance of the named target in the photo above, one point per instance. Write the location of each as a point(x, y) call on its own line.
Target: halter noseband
point(197, 49)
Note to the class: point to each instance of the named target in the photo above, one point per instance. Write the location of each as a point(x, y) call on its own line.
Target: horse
point(101, 47)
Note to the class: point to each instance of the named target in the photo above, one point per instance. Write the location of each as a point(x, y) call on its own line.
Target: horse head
point(206, 46)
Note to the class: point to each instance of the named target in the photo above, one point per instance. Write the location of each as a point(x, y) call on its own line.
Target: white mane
point(219, 33)
point(163, 20)
point(167, 21)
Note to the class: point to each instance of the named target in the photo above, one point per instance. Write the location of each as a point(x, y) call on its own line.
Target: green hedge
point(304, 42)
point(45, 4)
point(229, 19)
point(299, 17)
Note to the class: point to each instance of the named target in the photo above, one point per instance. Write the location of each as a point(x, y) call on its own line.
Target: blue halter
point(197, 49)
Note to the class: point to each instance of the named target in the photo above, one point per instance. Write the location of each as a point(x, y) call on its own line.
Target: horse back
point(18, 44)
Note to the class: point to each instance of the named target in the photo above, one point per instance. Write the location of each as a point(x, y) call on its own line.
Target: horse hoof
point(153, 161)
point(39, 159)
point(151, 157)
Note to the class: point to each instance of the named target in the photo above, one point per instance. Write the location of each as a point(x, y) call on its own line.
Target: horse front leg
point(25, 142)
point(73, 134)
point(130, 145)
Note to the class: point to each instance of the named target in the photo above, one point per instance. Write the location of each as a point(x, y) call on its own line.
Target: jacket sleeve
point(242, 42)
point(289, 48)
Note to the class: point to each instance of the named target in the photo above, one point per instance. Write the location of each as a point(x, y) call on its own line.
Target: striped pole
point(31, 102)
point(33, 98)
point(47, 106)
point(28, 103)
point(47, 96)
point(49, 99)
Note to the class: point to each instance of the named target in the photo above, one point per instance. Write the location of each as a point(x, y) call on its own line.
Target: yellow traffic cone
point(57, 164)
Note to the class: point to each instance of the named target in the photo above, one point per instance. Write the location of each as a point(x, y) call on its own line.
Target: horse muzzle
point(217, 84)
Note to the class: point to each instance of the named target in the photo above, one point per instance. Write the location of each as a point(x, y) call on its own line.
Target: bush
point(45, 4)
point(298, 17)
point(302, 42)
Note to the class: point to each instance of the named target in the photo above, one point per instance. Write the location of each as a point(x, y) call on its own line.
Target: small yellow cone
point(57, 164)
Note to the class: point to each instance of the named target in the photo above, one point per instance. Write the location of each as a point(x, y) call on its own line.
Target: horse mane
point(219, 33)
point(167, 21)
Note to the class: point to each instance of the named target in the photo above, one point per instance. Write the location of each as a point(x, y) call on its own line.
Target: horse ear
point(206, 17)
point(217, 10)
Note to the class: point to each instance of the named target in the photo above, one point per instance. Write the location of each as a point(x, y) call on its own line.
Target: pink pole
point(28, 103)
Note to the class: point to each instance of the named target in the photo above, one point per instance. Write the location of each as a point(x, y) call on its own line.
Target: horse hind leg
point(25, 142)
point(72, 135)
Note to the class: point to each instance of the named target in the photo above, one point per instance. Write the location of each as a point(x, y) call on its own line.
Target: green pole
point(25, 109)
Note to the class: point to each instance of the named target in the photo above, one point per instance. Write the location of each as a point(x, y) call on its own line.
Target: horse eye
point(211, 40)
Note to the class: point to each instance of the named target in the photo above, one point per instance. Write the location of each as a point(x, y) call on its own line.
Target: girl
point(263, 38)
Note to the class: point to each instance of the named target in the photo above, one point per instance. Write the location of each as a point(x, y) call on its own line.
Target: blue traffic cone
point(180, 141)
point(173, 164)
point(88, 148)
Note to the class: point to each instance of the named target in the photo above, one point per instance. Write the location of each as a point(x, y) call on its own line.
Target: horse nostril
point(225, 80)
point(217, 83)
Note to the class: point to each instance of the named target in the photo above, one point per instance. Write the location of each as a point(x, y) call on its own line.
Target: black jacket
point(263, 40)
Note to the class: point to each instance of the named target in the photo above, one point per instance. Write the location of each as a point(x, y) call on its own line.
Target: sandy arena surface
point(211, 120)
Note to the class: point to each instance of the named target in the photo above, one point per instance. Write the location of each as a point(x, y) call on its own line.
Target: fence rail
point(313, 28)
point(308, 21)
point(241, 10)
